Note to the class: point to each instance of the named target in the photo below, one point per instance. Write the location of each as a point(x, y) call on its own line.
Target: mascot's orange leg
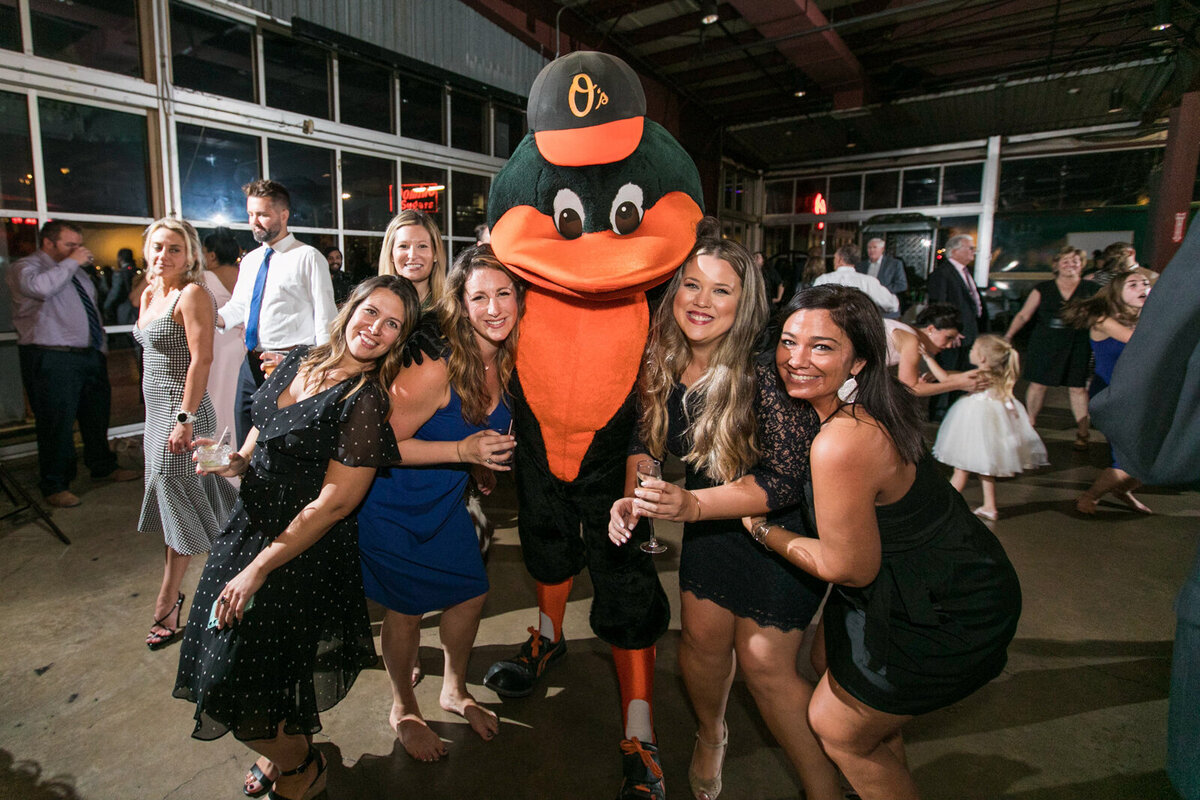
point(640, 760)
point(518, 676)
point(552, 607)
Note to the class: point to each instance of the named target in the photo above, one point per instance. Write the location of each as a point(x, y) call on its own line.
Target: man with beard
point(283, 295)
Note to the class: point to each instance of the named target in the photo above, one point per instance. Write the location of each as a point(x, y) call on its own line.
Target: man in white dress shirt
point(844, 273)
point(283, 294)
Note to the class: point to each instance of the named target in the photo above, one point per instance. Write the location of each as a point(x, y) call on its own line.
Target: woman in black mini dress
point(279, 629)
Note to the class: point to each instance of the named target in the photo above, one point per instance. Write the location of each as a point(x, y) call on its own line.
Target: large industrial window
point(882, 190)
point(211, 53)
point(424, 187)
point(307, 172)
point(845, 193)
point(470, 202)
point(16, 167)
point(368, 192)
point(962, 183)
point(509, 130)
point(1091, 180)
point(102, 34)
point(365, 94)
point(421, 111)
point(95, 160)
point(468, 123)
point(10, 25)
point(214, 165)
point(920, 187)
point(297, 75)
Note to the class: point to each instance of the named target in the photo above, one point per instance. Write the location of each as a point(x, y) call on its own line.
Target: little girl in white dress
point(988, 432)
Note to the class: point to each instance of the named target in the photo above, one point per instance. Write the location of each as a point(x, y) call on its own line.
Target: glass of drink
point(648, 468)
point(212, 457)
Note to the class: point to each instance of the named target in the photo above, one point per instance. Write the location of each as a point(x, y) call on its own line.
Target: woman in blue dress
point(418, 544)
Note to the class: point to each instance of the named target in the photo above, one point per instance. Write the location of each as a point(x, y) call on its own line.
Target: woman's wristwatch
point(759, 532)
point(185, 417)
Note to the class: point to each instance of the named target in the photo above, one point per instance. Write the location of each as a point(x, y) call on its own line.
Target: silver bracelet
point(759, 532)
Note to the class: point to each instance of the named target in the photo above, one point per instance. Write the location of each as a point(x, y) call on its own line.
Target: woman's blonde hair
point(1107, 303)
point(1001, 364)
point(465, 361)
point(324, 357)
point(1069, 251)
point(437, 274)
point(723, 431)
point(191, 240)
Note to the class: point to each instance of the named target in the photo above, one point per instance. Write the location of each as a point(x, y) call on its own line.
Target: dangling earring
point(848, 390)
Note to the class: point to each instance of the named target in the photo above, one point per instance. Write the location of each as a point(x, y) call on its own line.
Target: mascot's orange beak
point(603, 265)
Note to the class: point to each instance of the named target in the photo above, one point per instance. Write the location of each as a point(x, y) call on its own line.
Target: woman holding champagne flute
point(741, 606)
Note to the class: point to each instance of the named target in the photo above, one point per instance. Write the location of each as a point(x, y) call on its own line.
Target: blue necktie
point(260, 281)
point(95, 329)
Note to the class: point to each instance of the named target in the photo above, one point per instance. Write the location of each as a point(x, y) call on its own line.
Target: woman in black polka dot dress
point(279, 628)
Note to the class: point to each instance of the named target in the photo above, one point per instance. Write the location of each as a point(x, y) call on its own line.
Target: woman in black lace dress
point(283, 583)
point(703, 399)
point(925, 601)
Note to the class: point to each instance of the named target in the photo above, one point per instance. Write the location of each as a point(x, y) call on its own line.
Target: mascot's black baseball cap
point(586, 108)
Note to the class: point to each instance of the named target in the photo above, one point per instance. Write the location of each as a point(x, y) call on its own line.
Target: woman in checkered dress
point(175, 328)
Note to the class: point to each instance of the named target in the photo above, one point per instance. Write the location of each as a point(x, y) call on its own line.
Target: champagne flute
point(648, 468)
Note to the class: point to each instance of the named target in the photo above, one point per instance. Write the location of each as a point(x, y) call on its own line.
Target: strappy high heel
point(316, 788)
point(708, 788)
point(156, 641)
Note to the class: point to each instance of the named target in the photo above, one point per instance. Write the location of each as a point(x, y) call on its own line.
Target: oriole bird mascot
point(597, 204)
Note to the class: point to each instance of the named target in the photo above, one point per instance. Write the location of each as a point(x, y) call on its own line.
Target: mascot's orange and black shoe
point(596, 205)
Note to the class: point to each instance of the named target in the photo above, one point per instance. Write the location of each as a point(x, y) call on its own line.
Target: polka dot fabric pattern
point(300, 647)
point(186, 509)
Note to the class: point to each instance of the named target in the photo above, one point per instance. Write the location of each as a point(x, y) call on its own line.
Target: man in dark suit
point(888, 270)
point(953, 281)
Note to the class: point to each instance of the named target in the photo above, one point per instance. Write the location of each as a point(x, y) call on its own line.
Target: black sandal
point(156, 641)
point(316, 788)
point(264, 783)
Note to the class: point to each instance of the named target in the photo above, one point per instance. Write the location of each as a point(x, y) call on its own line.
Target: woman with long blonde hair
point(703, 398)
point(175, 327)
point(279, 630)
point(1110, 318)
point(418, 546)
point(413, 249)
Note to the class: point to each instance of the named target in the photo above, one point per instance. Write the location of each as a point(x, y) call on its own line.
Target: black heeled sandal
point(258, 776)
point(316, 788)
point(156, 641)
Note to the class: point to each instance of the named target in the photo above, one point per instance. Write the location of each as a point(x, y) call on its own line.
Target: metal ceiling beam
point(823, 57)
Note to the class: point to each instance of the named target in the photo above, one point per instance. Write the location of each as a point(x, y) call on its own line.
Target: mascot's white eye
point(568, 214)
point(626, 213)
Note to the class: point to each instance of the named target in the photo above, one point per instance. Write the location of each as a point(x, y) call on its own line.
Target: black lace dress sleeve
point(786, 429)
point(365, 438)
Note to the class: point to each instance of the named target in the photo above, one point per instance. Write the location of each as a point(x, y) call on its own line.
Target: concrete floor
point(1080, 712)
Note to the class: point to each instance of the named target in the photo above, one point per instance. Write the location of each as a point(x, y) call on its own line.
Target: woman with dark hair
point(925, 601)
point(221, 254)
point(1057, 354)
point(279, 630)
point(418, 544)
point(702, 398)
point(1110, 317)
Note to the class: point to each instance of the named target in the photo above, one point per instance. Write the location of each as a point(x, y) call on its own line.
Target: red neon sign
point(819, 204)
point(421, 196)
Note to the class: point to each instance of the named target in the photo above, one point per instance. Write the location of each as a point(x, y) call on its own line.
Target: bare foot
point(419, 741)
point(1137, 505)
point(1085, 504)
point(482, 721)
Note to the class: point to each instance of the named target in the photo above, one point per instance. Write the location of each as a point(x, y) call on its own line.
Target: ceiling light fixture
point(1162, 15)
point(708, 13)
point(1116, 101)
point(799, 93)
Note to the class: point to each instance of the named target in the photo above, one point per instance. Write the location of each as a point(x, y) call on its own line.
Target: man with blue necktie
point(64, 366)
point(283, 294)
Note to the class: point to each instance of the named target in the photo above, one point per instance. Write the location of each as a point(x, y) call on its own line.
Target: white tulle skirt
point(988, 436)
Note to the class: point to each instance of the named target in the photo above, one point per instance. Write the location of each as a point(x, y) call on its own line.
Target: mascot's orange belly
point(578, 361)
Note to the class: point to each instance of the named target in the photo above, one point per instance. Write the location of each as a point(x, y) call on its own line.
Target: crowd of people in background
point(815, 443)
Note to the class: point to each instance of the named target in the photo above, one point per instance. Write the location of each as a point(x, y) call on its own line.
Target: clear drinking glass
point(216, 455)
point(648, 468)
